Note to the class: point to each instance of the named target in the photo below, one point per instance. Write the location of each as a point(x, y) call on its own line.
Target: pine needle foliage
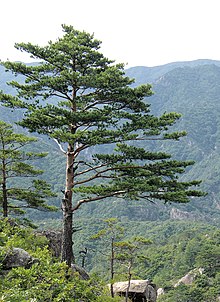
point(20, 189)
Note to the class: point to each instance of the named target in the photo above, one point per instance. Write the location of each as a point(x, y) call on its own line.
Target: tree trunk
point(67, 242)
point(4, 191)
point(112, 266)
point(129, 280)
point(67, 204)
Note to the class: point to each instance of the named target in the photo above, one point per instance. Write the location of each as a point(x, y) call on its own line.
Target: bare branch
point(98, 175)
point(90, 169)
point(146, 198)
point(60, 146)
point(62, 95)
point(79, 149)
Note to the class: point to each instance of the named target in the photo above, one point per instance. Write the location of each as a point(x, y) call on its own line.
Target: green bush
point(47, 280)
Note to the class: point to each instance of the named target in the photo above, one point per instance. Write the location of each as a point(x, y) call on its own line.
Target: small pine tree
point(110, 235)
point(128, 253)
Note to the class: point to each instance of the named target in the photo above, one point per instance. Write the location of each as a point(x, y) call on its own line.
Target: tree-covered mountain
point(143, 74)
point(195, 93)
point(190, 88)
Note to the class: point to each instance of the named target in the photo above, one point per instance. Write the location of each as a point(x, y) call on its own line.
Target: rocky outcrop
point(54, 241)
point(80, 271)
point(17, 257)
point(182, 215)
point(139, 290)
point(189, 278)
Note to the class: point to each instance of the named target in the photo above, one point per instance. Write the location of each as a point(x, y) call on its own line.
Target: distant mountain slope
point(194, 91)
point(191, 88)
point(143, 74)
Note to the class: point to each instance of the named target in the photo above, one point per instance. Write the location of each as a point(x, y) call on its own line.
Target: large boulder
point(17, 257)
point(139, 290)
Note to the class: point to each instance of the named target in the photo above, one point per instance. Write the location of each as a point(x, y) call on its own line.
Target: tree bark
point(4, 191)
point(112, 266)
point(67, 203)
point(129, 280)
point(67, 241)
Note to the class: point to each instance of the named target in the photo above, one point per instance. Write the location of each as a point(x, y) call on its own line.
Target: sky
point(134, 32)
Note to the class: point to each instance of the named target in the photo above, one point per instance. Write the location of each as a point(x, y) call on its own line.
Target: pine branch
point(92, 168)
point(86, 200)
point(79, 149)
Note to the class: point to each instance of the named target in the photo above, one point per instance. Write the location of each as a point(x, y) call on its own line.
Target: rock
point(82, 273)
point(177, 214)
point(17, 257)
point(160, 291)
point(54, 241)
point(139, 290)
point(189, 278)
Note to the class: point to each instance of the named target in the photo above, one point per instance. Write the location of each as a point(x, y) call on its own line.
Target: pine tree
point(14, 165)
point(128, 252)
point(85, 102)
point(111, 233)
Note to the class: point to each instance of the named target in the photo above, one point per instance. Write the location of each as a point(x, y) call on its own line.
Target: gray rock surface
point(82, 273)
point(54, 241)
point(189, 278)
point(17, 257)
point(139, 290)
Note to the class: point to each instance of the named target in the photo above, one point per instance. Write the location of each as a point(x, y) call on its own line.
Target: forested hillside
point(195, 93)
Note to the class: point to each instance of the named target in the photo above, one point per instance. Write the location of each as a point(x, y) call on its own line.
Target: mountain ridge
point(153, 73)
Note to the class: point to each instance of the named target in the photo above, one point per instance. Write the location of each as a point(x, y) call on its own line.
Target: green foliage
point(129, 253)
point(14, 235)
point(202, 290)
point(47, 280)
point(14, 164)
point(194, 248)
point(208, 256)
point(177, 247)
point(112, 230)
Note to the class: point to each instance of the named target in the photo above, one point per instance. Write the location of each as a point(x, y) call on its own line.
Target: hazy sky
point(136, 32)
